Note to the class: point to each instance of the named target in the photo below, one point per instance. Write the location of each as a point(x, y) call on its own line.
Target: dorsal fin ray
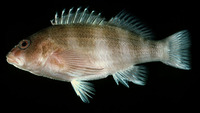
point(131, 23)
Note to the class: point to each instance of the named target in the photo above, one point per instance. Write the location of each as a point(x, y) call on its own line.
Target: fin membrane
point(178, 50)
point(83, 89)
point(135, 74)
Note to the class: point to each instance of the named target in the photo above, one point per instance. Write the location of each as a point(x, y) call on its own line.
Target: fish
point(81, 46)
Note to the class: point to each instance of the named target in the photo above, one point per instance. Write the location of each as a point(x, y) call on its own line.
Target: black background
point(167, 88)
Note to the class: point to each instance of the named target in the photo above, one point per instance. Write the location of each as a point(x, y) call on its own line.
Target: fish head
point(23, 55)
point(16, 56)
point(32, 54)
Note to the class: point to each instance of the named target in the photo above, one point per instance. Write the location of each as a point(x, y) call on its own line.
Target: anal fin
point(135, 74)
point(83, 89)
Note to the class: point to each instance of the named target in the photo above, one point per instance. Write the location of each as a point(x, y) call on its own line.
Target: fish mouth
point(11, 59)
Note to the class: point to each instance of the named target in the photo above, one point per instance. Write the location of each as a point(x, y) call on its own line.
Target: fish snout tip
point(11, 59)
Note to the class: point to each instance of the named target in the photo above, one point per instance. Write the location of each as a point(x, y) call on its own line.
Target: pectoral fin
point(75, 63)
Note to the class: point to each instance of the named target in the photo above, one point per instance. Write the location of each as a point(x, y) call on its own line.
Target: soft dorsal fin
point(79, 16)
point(131, 23)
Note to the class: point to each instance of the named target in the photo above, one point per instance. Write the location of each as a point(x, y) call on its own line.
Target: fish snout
point(12, 59)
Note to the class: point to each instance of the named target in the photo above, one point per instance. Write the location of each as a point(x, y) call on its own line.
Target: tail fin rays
point(178, 50)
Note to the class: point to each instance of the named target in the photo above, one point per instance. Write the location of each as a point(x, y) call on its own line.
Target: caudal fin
point(178, 50)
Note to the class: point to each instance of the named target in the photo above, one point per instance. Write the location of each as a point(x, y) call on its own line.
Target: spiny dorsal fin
point(81, 17)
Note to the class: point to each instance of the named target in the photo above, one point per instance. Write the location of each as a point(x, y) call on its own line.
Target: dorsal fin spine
point(101, 22)
point(56, 18)
point(88, 19)
point(83, 14)
point(75, 17)
point(62, 15)
point(95, 20)
point(69, 14)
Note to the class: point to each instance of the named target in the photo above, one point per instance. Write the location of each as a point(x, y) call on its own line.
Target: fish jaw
point(15, 58)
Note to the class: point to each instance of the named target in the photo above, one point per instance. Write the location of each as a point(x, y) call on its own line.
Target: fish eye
point(24, 44)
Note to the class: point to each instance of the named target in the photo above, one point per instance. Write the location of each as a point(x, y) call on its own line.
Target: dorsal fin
point(131, 23)
point(122, 20)
point(79, 16)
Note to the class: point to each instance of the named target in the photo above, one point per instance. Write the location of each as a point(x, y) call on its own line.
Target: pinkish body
point(80, 47)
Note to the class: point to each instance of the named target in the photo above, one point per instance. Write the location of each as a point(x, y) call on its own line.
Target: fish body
point(82, 46)
point(96, 45)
